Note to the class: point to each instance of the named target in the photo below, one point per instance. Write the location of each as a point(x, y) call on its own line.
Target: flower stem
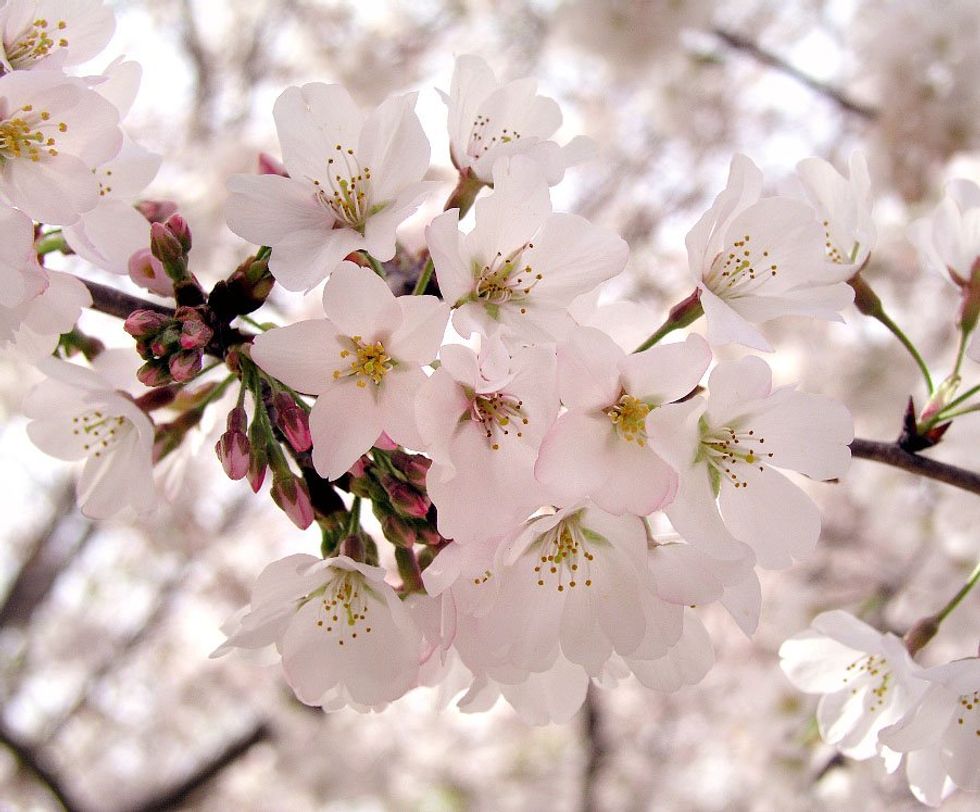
point(51, 242)
point(424, 277)
point(956, 402)
point(958, 597)
point(376, 266)
point(682, 314)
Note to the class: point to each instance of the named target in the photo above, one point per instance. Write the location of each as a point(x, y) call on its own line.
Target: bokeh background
point(108, 700)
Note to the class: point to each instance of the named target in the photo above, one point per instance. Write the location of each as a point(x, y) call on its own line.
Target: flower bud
point(178, 226)
point(429, 536)
point(385, 443)
point(291, 495)
point(360, 467)
point(154, 373)
point(398, 531)
point(156, 211)
point(233, 450)
point(270, 166)
point(293, 421)
point(415, 467)
point(259, 460)
point(185, 364)
point(168, 249)
point(145, 323)
point(920, 634)
point(404, 498)
point(353, 547)
point(147, 272)
point(194, 332)
point(237, 419)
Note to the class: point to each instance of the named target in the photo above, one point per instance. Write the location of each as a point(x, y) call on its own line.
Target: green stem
point(956, 402)
point(960, 412)
point(51, 242)
point(424, 277)
point(958, 597)
point(896, 331)
point(257, 325)
point(961, 351)
point(682, 314)
point(354, 523)
point(375, 265)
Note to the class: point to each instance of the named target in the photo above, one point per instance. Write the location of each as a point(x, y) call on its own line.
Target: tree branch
point(745, 45)
point(30, 761)
point(595, 749)
point(891, 454)
point(116, 303)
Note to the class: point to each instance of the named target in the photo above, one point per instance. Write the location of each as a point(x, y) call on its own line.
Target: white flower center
point(497, 414)
point(629, 416)
point(725, 449)
point(736, 271)
point(562, 556)
point(371, 362)
point(36, 41)
point(347, 193)
point(834, 254)
point(969, 707)
point(344, 607)
point(506, 278)
point(97, 432)
point(874, 669)
point(484, 136)
point(23, 135)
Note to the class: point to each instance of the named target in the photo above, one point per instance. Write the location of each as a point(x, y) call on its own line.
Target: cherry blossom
point(729, 446)
point(344, 635)
point(866, 679)
point(599, 448)
point(489, 120)
point(53, 129)
point(843, 205)
point(79, 414)
point(352, 179)
point(51, 33)
point(481, 419)
point(940, 735)
point(363, 362)
point(521, 266)
point(757, 258)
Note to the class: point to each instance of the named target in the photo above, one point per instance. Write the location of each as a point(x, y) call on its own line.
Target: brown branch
point(595, 749)
point(116, 303)
point(891, 454)
point(30, 761)
point(180, 794)
point(747, 46)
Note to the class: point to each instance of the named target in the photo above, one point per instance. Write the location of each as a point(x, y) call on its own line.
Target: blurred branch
point(116, 303)
point(892, 454)
point(200, 59)
point(30, 761)
point(595, 749)
point(179, 794)
point(746, 46)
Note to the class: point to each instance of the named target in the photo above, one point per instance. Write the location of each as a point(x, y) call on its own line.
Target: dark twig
point(745, 45)
point(891, 454)
point(177, 796)
point(116, 303)
point(30, 761)
point(595, 749)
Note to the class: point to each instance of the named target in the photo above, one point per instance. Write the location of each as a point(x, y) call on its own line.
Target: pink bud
point(145, 323)
point(237, 419)
point(430, 536)
point(415, 467)
point(385, 443)
point(359, 468)
point(404, 498)
point(168, 249)
point(293, 421)
point(398, 531)
point(185, 364)
point(260, 458)
point(291, 495)
point(156, 211)
point(195, 334)
point(271, 166)
point(177, 226)
point(233, 449)
point(153, 373)
point(147, 272)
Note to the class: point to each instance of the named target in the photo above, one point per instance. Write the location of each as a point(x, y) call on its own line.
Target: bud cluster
point(172, 346)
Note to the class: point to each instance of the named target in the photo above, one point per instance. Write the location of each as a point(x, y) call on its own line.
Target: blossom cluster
point(559, 505)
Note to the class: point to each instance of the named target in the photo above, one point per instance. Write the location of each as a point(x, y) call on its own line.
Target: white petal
point(360, 303)
point(345, 423)
point(301, 355)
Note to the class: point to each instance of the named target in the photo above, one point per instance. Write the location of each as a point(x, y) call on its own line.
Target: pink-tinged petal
point(109, 235)
point(576, 456)
point(396, 398)
point(588, 370)
point(301, 355)
point(807, 433)
point(380, 228)
point(582, 642)
point(626, 533)
point(54, 191)
point(57, 309)
point(443, 238)
point(743, 600)
point(311, 121)
point(927, 777)
point(551, 697)
point(302, 259)
point(439, 405)
point(423, 324)
point(472, 82)
point(685, 664)
point(682, 575)
point(265, 209)
point(666, 372)
point(674, 432)
point(820, 302)
point(925, 724)
point(359, 303)
point(618, 600)
point(345, 422)
point(511, 216)
point(732, 383)
point(771, 515)
point(393, 146)
point(572, 256)
point(694, 515)
point(725, 326)
point(638, 482)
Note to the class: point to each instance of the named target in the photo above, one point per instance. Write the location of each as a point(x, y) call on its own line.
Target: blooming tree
point(552, 507)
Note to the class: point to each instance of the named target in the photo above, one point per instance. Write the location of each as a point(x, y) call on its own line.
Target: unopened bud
point(145, 323)
point(237, 419)
point(194, 332)
point(178, 226)
point(168, 249)
point(291, 495)
point(429, 536)
point(185, 364)
point(385, 443)
point(398, 531)
point(415, 467)
point(293, 421)
point(360, 467)
point(258, 463)
point(271, 166)
point(353, 547)
point(865, 299)
point(920, 634)
point(404, 498)
point(233, 450)
point(154, 373)
point(156, 211)
point(147, 272)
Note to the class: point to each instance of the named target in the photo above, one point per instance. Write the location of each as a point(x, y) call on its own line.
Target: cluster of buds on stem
point(244, 291)
point(170, 243)
point(292, 420)
point(172, 346)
